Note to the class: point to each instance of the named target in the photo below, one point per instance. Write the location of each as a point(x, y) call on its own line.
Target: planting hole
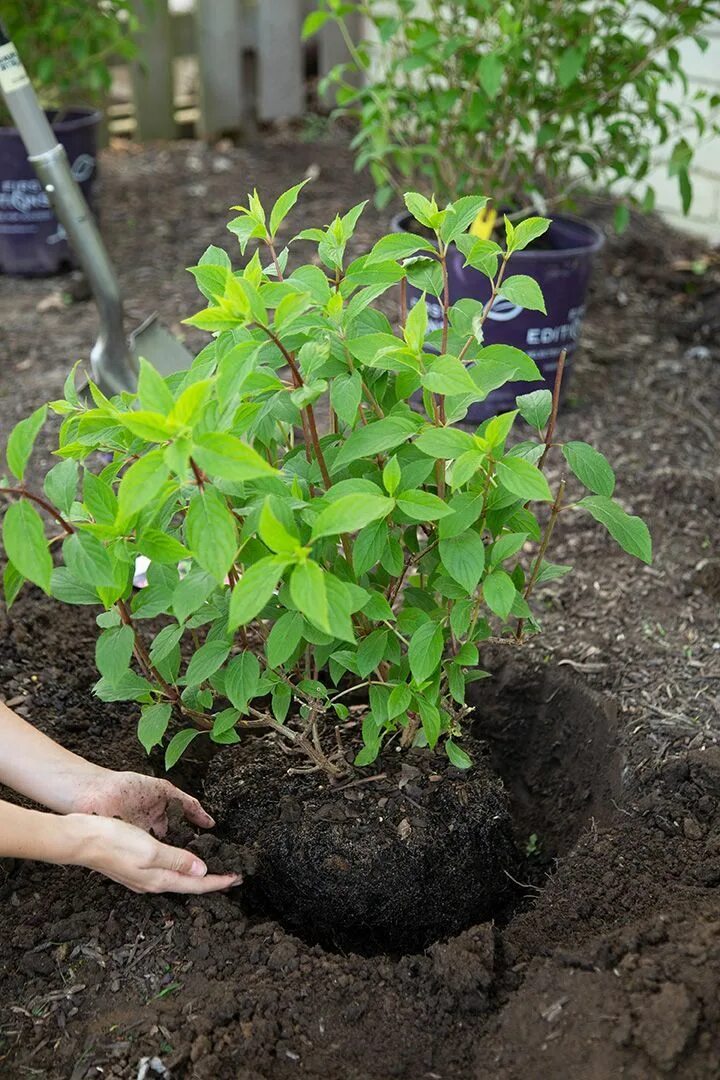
point(392, 864)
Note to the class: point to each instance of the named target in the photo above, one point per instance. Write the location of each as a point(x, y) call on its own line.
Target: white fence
point(220, 64)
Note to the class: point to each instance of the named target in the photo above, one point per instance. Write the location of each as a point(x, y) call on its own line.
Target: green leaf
point(398, 246)
point(154, 393)
point(416, 325)
point(61, 485)
point(349, 513)
point(552, 571)
point(129, 687)
point(448, 375)
point(211, 532)
point(464, 559)
point(21, 441)
point(69, 590)
point(570, 65)
point(178, 745)
point(162, 548)
point(423, 505)
point(273, 533)
point(151, 426)
point(153, 724)
point(499, 593)
point(457, 757)
point(591, 467)
point(371, 651)
point(425, 651)
point(254, 590)
point(164, 643)
point(431, 724)
point(25, 543)
point(191, 593)
point(506, 546)
point(346, 395)
point(140, 485)
point(523, 479)
point(284, 638)
point(498, 364)
point(13, 582)
point(422, 209)
point(113, 652)
point(523, 291)
point(426, 275)
point(535, 408)
point(369, 546)
point(281, 697)
point(287, 200)
point(88, 560)
point(99, 499)
point(314, 22)
point(224, 726)
point(490, 73)
point(376, 438)
point(630, 532)
point(206, 661)
point(444, 442)
point(309, 594)
point(461, 214)
point(242, 677)
point(392, 475)
point(399, 700)
point(528, 230)
point(227, 457)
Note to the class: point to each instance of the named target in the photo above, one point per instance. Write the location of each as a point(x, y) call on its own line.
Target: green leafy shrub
point(295, 576)
point(66, 47)
point(524, 99)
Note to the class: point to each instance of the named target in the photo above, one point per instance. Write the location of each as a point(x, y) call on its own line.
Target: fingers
point(178, 861)
point(168, 881)
point(191, 808)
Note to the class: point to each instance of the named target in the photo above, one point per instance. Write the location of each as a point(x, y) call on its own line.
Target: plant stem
point(550, 430)
point(46, 506)
point(537, 565)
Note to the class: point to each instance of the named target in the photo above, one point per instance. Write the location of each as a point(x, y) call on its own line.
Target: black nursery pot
point(562, 269)
point(32, 242)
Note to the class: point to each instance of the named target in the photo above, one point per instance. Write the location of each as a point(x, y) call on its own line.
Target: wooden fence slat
point(281, 82)
point(219, 26)
point(152, 72)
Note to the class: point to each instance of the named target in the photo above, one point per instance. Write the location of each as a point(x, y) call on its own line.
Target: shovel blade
point(159, 347)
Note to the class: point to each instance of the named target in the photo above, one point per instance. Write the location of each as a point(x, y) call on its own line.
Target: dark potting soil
point(391, 862)
point(605, 731)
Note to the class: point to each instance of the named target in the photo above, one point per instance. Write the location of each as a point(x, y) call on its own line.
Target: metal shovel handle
point(112, 364)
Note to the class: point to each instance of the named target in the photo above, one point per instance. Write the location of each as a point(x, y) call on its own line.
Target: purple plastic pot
point(563, 273)
point(32, 242)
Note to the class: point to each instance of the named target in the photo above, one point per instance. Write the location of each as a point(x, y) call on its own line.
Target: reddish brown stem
point(550, 431)
point(199, 478)
point(46, 506)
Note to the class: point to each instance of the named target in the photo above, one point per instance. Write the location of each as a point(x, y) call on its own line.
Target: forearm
point(32, 834)
point(35, 766)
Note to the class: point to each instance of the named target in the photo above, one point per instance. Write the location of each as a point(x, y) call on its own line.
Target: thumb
point(182, 862)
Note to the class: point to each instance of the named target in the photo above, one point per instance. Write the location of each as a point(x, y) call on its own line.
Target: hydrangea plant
point(67, 48)
point(525, 99)
point(319, 532)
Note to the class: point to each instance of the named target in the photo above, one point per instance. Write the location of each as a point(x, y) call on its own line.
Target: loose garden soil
point(605, 961)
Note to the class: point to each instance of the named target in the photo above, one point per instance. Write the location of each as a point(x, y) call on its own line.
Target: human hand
point(137, 799)
point(130, 856)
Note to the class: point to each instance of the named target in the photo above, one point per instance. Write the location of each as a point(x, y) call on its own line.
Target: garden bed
point(606, 959)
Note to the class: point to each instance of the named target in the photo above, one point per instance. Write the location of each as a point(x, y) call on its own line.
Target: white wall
point(704, 218)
